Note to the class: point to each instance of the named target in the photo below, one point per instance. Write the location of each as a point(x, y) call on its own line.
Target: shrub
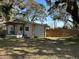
point(25, 36)
point(3, 34)
point(35, 36)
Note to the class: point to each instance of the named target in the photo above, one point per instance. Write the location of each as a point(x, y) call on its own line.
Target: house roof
point(18, 21)
point(37, 24)
point(14, 22)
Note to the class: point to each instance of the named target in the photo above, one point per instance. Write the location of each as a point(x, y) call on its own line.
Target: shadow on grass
point(67, 49)
point(10, 42)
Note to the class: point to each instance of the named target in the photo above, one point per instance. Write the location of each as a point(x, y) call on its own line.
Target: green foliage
point(6, 10)
point(34, 9)
point(72, 8)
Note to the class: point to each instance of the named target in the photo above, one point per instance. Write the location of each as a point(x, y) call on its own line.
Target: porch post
point(6, 29)
point(14, 30)
point(23, 30)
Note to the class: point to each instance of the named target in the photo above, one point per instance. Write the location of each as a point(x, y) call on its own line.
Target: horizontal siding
point(39, 31)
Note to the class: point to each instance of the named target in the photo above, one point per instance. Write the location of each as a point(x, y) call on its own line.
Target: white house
point(20, 28)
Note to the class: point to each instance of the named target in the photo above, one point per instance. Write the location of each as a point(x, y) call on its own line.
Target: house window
point(27, 28)
point(21, 28)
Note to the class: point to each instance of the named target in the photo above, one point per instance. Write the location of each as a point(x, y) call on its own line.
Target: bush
point(35, 36)
point(25, 36)
point(3, 34)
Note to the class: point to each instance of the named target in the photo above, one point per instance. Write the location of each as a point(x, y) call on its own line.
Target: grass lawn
point(38, 49)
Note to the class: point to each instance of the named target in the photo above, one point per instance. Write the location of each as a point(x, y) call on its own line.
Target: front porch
point(15, 28)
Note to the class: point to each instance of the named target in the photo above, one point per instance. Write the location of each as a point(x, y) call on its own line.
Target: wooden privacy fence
point(61, 32)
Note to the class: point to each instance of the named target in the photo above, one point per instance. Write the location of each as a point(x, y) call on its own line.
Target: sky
point(50, 21)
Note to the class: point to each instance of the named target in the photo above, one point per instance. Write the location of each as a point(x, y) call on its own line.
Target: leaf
point(31, 1)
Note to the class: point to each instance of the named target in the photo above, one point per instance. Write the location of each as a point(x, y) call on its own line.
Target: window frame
point(26, 28)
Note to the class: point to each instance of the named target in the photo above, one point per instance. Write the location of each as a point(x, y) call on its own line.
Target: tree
point(72, 8)
point(12, 8)
point(34, 11)
point(5, 10)
point(38, 14)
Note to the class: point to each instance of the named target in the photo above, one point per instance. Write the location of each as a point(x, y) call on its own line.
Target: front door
point(12, 30)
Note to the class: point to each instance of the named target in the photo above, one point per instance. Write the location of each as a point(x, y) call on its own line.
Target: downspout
point(44, 32)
